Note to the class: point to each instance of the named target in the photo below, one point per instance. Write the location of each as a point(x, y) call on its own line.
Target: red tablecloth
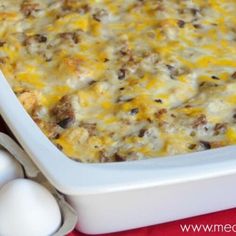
point(216, 221)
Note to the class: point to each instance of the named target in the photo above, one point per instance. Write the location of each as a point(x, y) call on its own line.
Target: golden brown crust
point(28, 7)
point(29, 101)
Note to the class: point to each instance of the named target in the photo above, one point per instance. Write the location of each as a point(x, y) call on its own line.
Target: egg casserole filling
point(127, 79)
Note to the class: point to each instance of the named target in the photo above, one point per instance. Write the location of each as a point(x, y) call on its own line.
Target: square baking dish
point(113, 197)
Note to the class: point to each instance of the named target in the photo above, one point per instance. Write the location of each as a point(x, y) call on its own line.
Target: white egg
point(28, 209)
point(9, 168)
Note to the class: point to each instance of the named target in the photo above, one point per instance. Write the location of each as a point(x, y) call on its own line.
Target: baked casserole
point(124, 80)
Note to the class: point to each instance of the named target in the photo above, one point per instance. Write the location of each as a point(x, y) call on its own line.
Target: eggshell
point(9, 168)
point(28, 209)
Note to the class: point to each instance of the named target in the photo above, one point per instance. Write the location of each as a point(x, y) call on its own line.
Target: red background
point(173, 228)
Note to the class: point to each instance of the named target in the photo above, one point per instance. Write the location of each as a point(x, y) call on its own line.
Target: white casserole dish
point(119, 196)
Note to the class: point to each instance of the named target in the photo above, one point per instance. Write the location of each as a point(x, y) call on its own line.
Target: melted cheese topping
point(124, 80)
